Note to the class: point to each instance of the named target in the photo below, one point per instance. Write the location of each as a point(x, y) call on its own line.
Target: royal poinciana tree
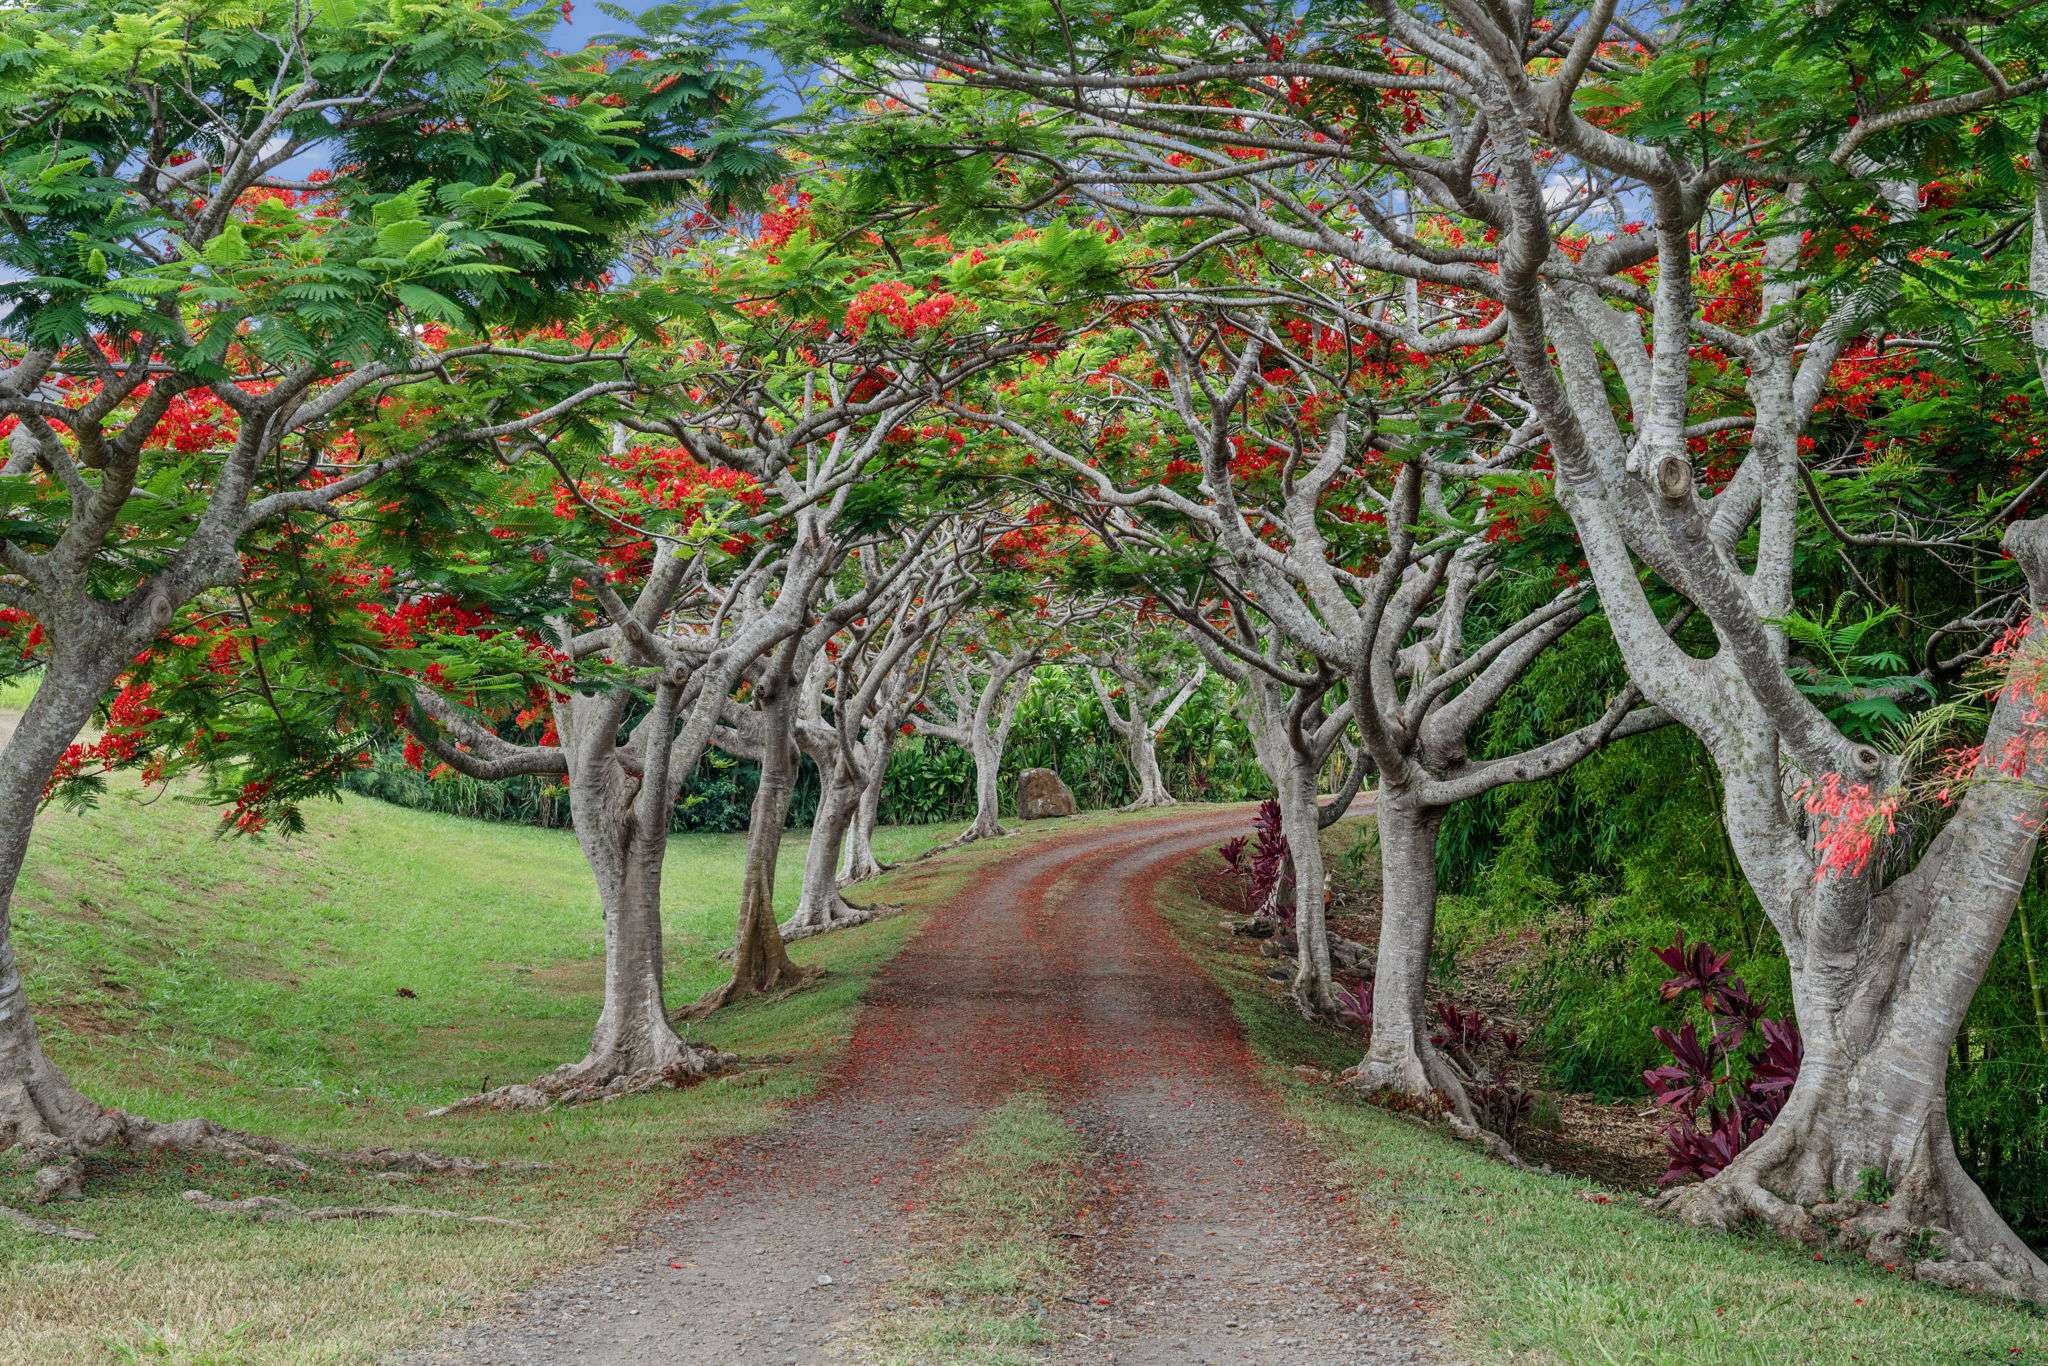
point(985, 665)
point(593, 629)
point(1152, 685)
point(594, 621)
point(936, 315)
point(782, 685)
point(850, 737)
point(1685, 228)
point(973, 704)
point(235, 268)
point(1342, 539)
point(694, 638)
point(856, 690)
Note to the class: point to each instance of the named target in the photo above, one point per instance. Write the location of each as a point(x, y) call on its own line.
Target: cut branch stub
point(1674, 478)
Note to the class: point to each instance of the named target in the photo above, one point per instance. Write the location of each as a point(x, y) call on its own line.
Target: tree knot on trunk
point(2027, 543)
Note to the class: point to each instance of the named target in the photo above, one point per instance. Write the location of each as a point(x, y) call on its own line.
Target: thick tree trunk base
point(1936, 1224)
point(44, 1108)
point(1312, 996)
point(602, 1076)
point(785, 983)
point(1151, 803)
point(843, 916)
point(1418, 1072)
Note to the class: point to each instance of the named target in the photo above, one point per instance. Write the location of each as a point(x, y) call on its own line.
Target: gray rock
point(1041, 794)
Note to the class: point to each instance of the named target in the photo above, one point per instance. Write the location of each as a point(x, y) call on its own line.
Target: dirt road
point(1224, 1240)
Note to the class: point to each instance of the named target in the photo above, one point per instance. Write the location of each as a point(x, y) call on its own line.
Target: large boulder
point(1041, 794)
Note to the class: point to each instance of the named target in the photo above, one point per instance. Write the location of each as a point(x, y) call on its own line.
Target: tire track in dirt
point(1218, 1235)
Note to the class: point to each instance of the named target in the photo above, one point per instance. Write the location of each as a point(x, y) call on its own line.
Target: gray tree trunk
point(762, 964)
point(633, 1036)
point(820, 907)
point(37, 1101)
point(1400, 1055)
point(1881, 983)
point(988, 801)
point(1144, 750)
point(1300, 822)
point(1865, 1108)
point(1294, 787)
point(857, 861)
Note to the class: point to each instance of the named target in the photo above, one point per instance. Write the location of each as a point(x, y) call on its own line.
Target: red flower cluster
point(430, 614)
point(658, 478)
point(12, 619)
point(128, 722)
point(1852, 819)
point(907, 310)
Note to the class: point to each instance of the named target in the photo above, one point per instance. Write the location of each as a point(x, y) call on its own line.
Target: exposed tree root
point(843, 917)
point(786, 983)
point(867, 874)
point(966, 837)
point(1908, 1232)
point(269, 1208)
point(592, 1081)
point(59, 1160)
point(1312, 999)
point(1425, 1074)
point(29, 1223)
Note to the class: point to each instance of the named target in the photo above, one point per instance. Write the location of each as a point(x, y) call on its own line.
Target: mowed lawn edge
point(1525, 1266)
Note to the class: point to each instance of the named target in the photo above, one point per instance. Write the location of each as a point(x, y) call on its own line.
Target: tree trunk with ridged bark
point(1881, 982)
point(858, 862)
point(762, 965)
point(622, 830)
point(1400, 1057)
point(37, 1101)
point(1143, 745)
point(820, 907)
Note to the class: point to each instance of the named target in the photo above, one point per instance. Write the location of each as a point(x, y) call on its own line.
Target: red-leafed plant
point(1260, 864)
point(1355, 1003)
point(1725, 1090)
point(1484, 1052)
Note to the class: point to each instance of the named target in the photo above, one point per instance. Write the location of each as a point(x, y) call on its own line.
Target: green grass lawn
point(988, 1255)
point(1532, 1267)
point(255, 969)
point(260, 982)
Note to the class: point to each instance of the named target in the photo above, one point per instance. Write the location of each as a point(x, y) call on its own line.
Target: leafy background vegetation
point(1206, 754)
point(1617, 856)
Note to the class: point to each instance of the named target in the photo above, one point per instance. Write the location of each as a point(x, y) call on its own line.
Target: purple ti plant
point(1725, 1090)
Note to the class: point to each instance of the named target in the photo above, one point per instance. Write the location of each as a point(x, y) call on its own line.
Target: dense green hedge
point(1206, 754)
